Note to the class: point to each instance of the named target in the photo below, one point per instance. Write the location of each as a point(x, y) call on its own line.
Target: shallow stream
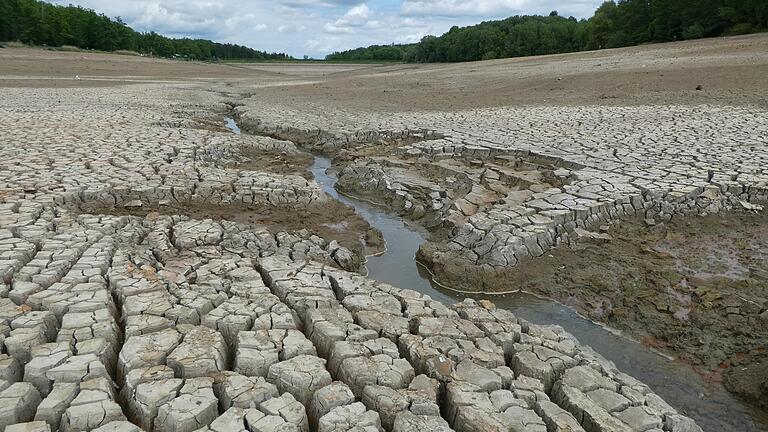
point(709, 404)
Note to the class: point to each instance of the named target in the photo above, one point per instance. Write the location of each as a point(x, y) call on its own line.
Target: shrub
point(695, 31)
point(742, 28)
point(490, 55)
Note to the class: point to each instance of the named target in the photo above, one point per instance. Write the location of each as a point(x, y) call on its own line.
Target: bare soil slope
point(36, 67)
point(729, 71)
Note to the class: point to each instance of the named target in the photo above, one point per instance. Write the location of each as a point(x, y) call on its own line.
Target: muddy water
point(709, 404)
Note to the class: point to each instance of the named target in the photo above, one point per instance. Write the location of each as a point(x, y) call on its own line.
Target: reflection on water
point(711, 406)
point(232, 125)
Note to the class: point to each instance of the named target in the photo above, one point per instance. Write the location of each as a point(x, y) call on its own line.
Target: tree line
point(39, 23)
point(614, 24)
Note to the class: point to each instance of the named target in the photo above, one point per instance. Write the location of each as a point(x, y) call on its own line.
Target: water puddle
point(709, 404)
point(231, 124)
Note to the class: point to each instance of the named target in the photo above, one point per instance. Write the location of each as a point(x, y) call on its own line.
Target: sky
point(318, 27)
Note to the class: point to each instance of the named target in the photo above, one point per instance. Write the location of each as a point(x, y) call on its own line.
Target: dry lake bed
point(563, 243)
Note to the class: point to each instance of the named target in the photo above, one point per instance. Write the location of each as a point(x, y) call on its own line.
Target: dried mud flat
point(160, 273)
point(729, 71)
point(331, 220)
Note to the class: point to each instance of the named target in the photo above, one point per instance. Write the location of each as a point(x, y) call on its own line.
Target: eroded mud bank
point(611, 267)
point(699, 396)
point(697, 286)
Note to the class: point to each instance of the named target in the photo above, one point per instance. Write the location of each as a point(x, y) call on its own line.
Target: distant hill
point(614, 24)
point(39, 23)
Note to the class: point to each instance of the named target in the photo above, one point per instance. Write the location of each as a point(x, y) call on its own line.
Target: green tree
point(695, 31)
point(40, 23)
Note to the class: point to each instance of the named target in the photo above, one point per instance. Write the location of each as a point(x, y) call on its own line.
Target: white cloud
point(459, 7)
point(317, 27)
point(251, 21)
point(291, 28)
point(168, 17)
point(357, 16)
point(494, 8)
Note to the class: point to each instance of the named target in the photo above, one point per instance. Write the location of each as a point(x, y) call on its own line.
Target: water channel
point(710, 405)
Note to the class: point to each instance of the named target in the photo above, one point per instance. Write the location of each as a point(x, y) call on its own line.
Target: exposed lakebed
point(709, 404)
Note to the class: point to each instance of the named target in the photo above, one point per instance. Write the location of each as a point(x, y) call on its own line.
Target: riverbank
point(693, 287)
point(695, 389)
point(493, 207)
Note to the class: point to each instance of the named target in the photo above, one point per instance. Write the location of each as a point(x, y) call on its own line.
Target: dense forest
point(39, 23)
point(374, 52)
point(614, 24)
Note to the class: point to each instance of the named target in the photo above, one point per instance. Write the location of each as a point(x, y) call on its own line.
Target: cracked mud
point(160, 273)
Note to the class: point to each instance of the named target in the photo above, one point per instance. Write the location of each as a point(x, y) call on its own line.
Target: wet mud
point(696, 288)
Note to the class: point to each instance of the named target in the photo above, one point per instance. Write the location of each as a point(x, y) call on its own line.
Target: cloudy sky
point(318, 27)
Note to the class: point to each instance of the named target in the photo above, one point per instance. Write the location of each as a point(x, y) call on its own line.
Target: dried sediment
point(595, 164)
point(305, 127)
point(125, 160)
point(500, 188)
point(441, 193)
point(178, 323)
point(172, 282)
point(613, 169)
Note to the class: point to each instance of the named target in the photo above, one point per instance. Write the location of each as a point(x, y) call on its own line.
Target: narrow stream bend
point(713, 408)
